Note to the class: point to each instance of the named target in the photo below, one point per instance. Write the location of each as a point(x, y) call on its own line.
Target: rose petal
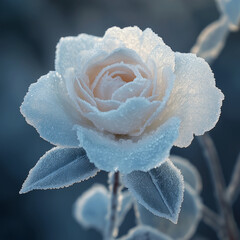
point(126, 156)
point(195, 99)
point(142, 42)
point(76, 88)
point(69, 48)
point(127, 119)
point(47, 107)
point(168, 80)
point(130, 89)
point(107, 105)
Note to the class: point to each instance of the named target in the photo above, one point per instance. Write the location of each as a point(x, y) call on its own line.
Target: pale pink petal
point(127, 119)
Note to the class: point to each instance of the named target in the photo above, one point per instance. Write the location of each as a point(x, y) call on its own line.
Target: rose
point(126, 98)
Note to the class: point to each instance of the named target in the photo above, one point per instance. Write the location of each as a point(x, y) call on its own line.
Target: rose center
point(114, 77)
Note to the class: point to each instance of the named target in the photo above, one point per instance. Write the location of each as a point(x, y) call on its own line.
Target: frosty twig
point(230, 230)
point(233, 189)
point(111, 229)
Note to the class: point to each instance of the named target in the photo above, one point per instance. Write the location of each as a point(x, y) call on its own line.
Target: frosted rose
point(126, 98)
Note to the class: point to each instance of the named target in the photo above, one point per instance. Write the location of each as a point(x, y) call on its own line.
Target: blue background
point(29, 32)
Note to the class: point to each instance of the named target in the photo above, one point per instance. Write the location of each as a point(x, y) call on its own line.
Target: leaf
point(144, 233)
point(159, 190)
point(189, 172)
point(90, 209)
point(231, 9)
point(211, 40)
point(58, 168)
point(189, 217)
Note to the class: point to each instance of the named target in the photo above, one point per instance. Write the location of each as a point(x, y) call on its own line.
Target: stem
point(111, 228)
point(230, 230)
point(233, 189)
point(211, 218)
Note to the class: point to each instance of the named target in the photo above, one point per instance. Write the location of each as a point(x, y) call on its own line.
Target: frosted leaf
point(90, 209)
point(211, 40)
point(124, 155)
point(189, 172)
point(47, 107)
point(231, 9)
point(159, 190)
point(195, 99)
point(144, 233)
point(69, 50)
point(189, 217)
point(58, 168)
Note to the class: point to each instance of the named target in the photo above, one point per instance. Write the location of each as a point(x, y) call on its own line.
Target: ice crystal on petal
point(126, 156)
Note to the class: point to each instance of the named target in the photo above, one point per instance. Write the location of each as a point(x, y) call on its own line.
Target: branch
point(211, 218)
point(229, 226)
point(111, 228)
point(233, 189)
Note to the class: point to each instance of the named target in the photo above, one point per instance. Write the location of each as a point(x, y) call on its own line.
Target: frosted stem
point(111, 228)
point(233, 189)
point(211, 218)
point(230, 230)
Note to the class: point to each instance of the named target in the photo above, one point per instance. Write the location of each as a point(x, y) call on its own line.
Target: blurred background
point(29, 32)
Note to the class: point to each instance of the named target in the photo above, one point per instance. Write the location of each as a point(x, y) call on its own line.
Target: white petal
point(107, 105)
point(127, 119)
point(126, 156)
point(47, 107)
point(131, 89)
point(195, 99)
point(142, 42)
point(168, 80)
point(68, 51)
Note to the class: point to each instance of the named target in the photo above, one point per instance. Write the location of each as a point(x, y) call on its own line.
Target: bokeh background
point(29, 32)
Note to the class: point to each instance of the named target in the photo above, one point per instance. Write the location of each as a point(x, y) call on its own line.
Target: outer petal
point(194, 99)
point(145, 43)
point(126, 156)
point(69, 48)
point(47, 107)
